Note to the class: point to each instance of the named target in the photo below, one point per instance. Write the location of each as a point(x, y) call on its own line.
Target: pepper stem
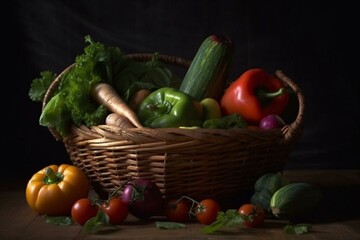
point(160, 109)
point(265, 96)
point(51, 177)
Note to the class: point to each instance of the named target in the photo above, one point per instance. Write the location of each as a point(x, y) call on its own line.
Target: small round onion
point(271, 121)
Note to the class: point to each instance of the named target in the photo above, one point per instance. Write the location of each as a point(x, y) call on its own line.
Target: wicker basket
point(194, 162)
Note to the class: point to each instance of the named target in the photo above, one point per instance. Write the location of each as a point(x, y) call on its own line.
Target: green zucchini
point(265, 186)
point(208, 72)
point(262, 198)
point(271, 181)
point(295, 201)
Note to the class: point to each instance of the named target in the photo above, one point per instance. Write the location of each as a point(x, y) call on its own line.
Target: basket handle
point(294, 129)
point(143, 57)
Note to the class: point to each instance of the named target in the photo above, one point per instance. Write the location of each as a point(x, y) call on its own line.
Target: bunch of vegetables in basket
point(103, 86)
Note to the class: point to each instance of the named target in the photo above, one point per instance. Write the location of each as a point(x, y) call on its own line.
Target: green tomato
point(211, 108)
point(170, 108)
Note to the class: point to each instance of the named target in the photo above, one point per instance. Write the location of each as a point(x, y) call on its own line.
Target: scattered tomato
point(206, 211)
point(177, 210)
point(116, 210)
point(83, 210)
point(254, 212)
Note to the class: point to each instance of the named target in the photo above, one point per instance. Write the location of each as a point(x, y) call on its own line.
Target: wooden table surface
point(337, 218)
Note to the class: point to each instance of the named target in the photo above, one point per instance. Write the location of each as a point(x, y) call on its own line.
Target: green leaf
point(56, 114)
point(93, 224)
point(230, 218)
point(58, 220)
point(226, 122)
point(169, 225)
point(215, 226)
point(39, 86)
point(297, 229)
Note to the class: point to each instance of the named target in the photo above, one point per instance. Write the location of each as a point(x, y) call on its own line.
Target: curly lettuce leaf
point(40, 85)
point(56, 114)
point(73, 104)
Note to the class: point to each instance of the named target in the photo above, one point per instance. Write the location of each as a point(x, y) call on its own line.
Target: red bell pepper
point(254, 95)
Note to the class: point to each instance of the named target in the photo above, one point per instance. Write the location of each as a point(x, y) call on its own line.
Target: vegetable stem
point(116, 190)
point(262, 94)
point(193, 204)
point(51, 177)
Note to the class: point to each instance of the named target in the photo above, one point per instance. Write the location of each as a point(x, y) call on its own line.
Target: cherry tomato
point(116, 209)
point(255, 212)
point(82, 210)
point(177, 210)
point(206, 211)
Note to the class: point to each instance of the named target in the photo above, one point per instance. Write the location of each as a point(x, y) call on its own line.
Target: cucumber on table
point(295, 201)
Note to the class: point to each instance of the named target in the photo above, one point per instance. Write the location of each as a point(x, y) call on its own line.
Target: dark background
point(313, 43)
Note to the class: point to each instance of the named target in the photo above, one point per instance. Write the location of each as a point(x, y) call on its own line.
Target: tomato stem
point(193, 203)
point(113, 193)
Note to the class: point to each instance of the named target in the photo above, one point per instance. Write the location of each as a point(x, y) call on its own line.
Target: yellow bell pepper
point(54, 189)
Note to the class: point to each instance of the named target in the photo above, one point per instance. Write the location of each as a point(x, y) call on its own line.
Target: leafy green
point(58, 220)
point(71, 102)
point(151, 75)
point(94, 224)
point(297, 229)
point(169, 225)
point(230, 218)
point(40, 85)
point(226, 122)
point(56, 114)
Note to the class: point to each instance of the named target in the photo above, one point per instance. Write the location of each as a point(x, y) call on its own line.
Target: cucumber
point(271, 181)
point(265, 186)
point(295, 201)
point(208, 72)
point(262, 198)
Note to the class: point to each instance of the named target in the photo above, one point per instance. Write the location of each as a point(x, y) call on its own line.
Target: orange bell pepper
point(54, 189)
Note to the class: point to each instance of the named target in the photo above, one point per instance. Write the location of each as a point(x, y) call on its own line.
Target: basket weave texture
point(199, 163)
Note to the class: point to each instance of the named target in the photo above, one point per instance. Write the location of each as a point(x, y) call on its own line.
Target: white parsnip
point(107, 96)
point(137, 98)
point(117, 120)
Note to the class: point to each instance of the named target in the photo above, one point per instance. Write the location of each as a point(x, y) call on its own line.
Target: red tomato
point(255, 212)
point(82, 210)
point(206, 211)
point(116, 209)
point(177, 210)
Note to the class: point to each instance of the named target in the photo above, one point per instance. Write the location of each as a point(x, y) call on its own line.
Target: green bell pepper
point(170, 108)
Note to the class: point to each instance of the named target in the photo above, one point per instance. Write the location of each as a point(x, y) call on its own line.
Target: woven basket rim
point(290, 131)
